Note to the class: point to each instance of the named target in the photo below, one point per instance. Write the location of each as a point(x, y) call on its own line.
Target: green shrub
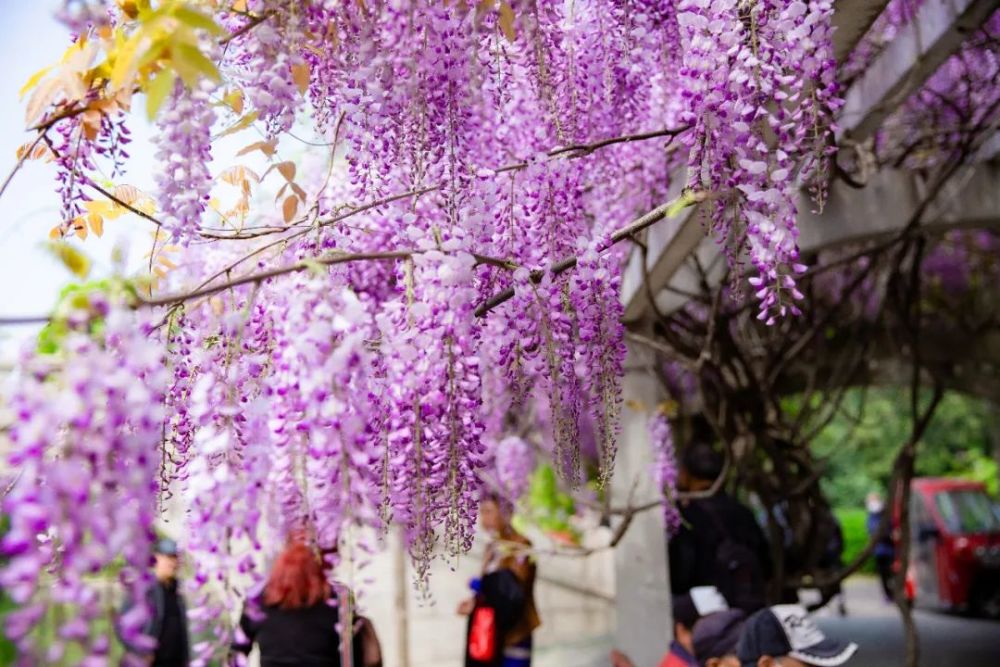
point(852, 522)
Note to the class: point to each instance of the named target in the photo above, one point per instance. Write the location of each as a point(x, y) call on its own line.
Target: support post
point(642, 587)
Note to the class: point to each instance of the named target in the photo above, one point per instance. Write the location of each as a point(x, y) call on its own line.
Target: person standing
point(295, 621)
point(719, 543)
point(167, 622)
point(885, 550)
point(502, 613)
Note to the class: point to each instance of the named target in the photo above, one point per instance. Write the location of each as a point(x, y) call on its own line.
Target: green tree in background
point(859, 452)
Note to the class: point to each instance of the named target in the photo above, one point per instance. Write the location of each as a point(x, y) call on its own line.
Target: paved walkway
point(946, 640)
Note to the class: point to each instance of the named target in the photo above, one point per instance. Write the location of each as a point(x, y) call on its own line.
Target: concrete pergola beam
point(851, 20)
point(934, 34)
point(886, 205)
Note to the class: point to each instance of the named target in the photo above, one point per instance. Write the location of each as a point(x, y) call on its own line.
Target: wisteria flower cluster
point(358, 369)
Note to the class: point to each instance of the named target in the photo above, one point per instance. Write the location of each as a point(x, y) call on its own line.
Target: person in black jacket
point(720, 543)
point(296, 621)
point(167, 620)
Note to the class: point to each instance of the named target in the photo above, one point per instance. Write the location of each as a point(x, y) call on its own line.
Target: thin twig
point(253, 23)
point(564, 265)
point(20, 161)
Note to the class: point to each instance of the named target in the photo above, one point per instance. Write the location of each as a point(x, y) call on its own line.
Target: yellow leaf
point(55, 232)
point(300, 75)
point(129, 8)
point(157, 91)
point(189, 62)
point(507, 21)
point(196, 19)
point(125, 59)
point(80, 228)
point(240, 6)
point(238, 175)
point(71, 257)
point(165, 261)
point(234, 100)
point(129, 194)
point(287, 170)
point(33, 80)
point(96, 223)
point(91, 124)
point(162, 273)
point(39, 151)
point(101, 208)
point(44, 95)
point(298, 191)
point(289, 207)
point(635, 405)
point(265, 147)
point(241, 124)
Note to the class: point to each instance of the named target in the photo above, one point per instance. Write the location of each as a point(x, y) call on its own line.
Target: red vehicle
point(954, 547)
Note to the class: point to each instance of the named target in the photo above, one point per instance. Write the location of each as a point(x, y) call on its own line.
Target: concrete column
point(644, 623)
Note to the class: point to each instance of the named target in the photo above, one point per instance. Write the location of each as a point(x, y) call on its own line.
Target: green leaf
point(157, 91)
point(196, 19)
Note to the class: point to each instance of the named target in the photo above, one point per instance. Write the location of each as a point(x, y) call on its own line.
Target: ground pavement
point(946, 640)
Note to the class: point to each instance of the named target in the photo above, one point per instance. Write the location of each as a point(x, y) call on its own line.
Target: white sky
point(30, 278)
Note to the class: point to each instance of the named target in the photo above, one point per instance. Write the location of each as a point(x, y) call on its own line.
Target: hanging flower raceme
point(87, 425)
point(761, 91)
point(330, 403)
point(665, 468)
point(600, 350)
point(429, 342)
point(184, 151)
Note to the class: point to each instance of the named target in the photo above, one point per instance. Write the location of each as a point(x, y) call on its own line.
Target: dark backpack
point(738, 573)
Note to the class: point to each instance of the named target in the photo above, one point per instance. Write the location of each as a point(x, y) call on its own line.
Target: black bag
point(503, 594)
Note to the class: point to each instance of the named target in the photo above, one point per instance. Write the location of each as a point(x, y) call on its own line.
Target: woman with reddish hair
point(295, 621)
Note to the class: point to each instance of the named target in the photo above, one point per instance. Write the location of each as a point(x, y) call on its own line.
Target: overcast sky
point(30, 278)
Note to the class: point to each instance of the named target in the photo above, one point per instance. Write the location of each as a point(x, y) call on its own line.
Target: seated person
point(785, 636)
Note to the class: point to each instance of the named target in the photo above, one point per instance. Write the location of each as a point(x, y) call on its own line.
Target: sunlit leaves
point(144, 54)
point(243, 123)
point(169, 34)
point(268, 148)
point(234, 99)
point(157, 90)
point(507, 21)
point(300, 75)
point(289, 207)
point(287, 169)
point(34, 150)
